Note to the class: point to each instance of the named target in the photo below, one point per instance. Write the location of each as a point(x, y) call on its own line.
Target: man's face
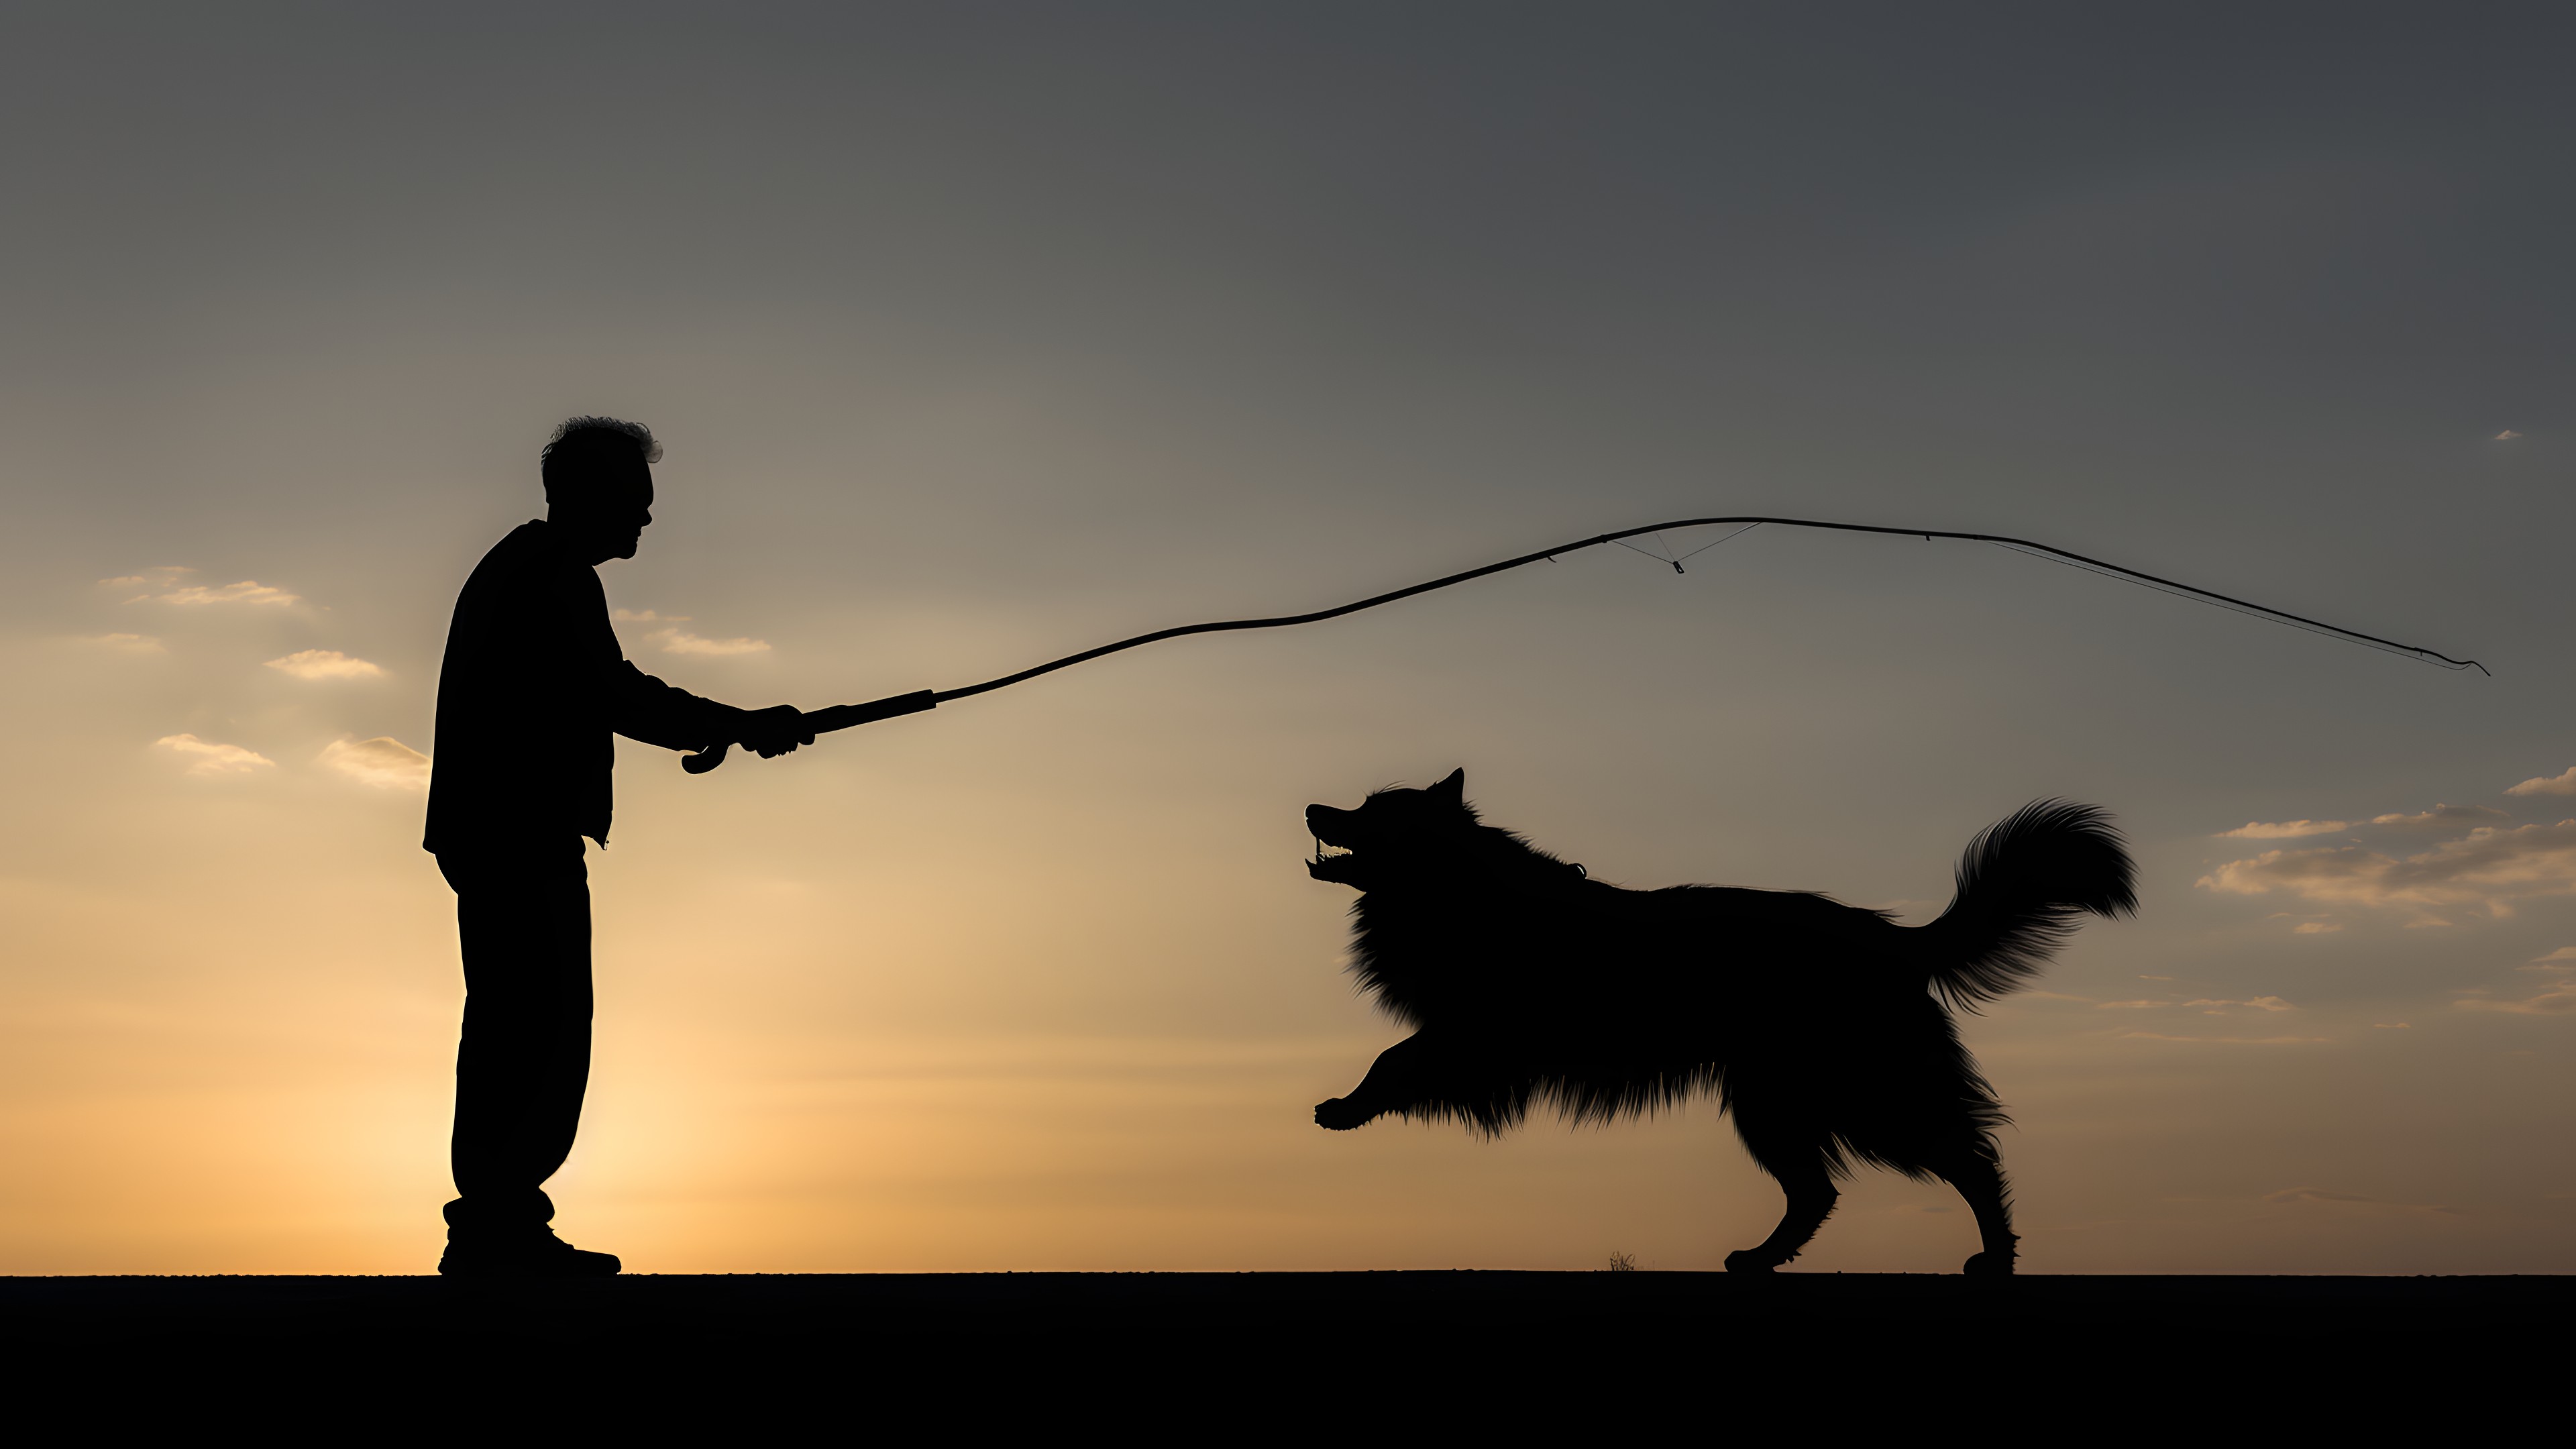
point(610, 521)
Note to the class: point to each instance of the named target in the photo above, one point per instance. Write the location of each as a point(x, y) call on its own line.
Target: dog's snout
point(1321, 820)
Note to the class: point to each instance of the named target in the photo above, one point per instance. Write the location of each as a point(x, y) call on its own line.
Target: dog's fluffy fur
point(1825, 1029)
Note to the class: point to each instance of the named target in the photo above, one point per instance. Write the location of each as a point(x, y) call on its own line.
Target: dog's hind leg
point(1801, 1172)
point(1980, 1179)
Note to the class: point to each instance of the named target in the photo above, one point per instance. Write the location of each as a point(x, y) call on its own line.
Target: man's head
point(599, 484)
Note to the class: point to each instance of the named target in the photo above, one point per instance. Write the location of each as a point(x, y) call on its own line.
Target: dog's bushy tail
point(2022, 883)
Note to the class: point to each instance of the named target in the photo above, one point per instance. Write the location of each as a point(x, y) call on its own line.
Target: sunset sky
point(981, 334)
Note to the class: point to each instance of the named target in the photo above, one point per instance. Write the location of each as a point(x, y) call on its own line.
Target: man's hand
point(775, 731)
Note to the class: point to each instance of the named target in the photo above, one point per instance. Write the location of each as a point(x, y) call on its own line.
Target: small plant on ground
point(1623, 1262)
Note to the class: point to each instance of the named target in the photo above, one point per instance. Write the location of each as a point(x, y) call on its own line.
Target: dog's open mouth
point(1329, 862)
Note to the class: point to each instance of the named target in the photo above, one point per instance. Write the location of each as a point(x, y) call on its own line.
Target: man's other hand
point(775, 731)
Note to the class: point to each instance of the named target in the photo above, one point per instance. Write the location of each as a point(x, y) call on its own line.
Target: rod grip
point(843, 716)
point(835, 717)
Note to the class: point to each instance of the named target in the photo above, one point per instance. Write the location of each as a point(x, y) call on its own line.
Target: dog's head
point(1391, 831)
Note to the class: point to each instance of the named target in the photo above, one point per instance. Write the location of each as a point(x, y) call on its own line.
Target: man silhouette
point(532, 688)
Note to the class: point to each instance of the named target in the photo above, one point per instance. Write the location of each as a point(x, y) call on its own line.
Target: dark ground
point(1159, 1354)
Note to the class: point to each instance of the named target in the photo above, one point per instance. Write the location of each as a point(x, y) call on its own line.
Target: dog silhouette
point(1824, 1029)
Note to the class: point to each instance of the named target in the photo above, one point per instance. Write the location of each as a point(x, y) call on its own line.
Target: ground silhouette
point(1229, 1355)
point(1824, 1029)
point(530, 692)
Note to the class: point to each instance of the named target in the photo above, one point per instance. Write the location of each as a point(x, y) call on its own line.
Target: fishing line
point(844, 716)
point(2257, 611)
point(1666, 557)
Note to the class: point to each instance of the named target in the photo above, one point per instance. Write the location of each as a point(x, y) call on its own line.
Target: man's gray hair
point(642, 435)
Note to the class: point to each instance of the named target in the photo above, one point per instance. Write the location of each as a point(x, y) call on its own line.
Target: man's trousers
point(523, 920)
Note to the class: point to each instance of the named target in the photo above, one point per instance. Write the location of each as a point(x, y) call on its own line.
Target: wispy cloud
point(205, 757)
point(325, 664)
point(384, 762)
point(248, 591)
point(2259, 1003)
point(2489, 868)
point(125, 643)
point(681, 641)
point(162, 576)
point(2282, 829)
point(2207, 1006)
point(2561, 784)
point(2352, 1199)
point(2556, 997)
point(2441, 818)
point(645, 616)
point(2228, 1040)
point(2507, 436)
point(170, 584)
point(2316, 928)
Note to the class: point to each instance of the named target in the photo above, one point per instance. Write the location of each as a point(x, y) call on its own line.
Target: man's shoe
point(522, 1255)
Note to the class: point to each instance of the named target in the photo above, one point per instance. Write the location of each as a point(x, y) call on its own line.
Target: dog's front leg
point(1392, 1084)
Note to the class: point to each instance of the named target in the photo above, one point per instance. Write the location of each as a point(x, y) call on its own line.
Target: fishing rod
point(844, 716)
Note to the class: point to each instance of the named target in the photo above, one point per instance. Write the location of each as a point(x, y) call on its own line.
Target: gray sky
point(982, 334)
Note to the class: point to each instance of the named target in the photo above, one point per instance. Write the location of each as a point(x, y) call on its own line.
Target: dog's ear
point(1453, 789)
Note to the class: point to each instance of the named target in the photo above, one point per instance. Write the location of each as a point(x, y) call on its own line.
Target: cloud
point(2557, 995)
point(125, 643)
point(2259, 1003)
point(2564, 784)
point(681, 641)
point(2311, 1194)
point(2320, 1195)
point(646, 616)
point(2507, 436)
point(2442, 817)
point(172, 586)
point(2558, 998)
point(2315, 928)
point(2488, 867)
point(2282, 830)
point(2228, 1040)
point(248, 591)
point(208, 758)
point(384, 762)
point(164, 576)
point(2209, 1006)
point(2554, 1002)
point(326, 664)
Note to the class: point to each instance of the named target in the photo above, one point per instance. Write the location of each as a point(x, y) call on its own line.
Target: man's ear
point(1453, 789)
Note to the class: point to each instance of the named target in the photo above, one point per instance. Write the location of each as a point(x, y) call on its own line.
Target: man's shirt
point(530, 695)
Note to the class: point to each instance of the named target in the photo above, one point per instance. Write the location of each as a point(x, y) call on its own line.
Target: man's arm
point(642, 707)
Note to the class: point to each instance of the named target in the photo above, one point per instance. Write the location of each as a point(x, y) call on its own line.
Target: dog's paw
point(1989, 1265)
point(1338, 1115)
point(1746, 1260)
